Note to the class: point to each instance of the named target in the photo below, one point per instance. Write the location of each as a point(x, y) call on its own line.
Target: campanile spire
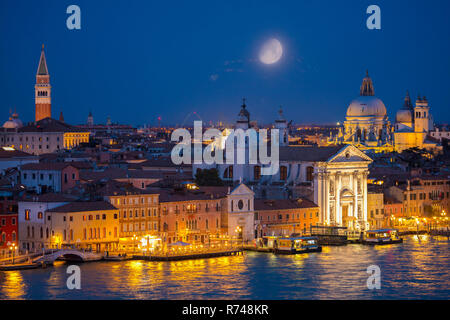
point(42, 90)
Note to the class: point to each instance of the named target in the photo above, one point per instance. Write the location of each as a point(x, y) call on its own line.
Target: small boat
point(354, 236)
point(381, 236)
point(20, 266)
point(330, 235)
point(297, 245)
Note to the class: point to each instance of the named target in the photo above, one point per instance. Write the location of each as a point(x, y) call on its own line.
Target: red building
point(8, 227)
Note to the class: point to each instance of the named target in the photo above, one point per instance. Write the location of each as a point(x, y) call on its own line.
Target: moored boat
point(297, 245)
point(20, 266)
point(381, 236)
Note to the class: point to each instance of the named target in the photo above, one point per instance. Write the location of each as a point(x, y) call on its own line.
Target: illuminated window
point(256, 172)
point(309, 173)
point(228, 173)
point(283, 173)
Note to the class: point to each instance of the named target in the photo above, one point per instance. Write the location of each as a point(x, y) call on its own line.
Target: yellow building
point(413, 126)
point(375, 210)
point(84, 225)
point(138, 212)
point(45, 136)
point(73, 139)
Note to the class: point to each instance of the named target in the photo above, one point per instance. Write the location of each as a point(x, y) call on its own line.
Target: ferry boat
point(382, 236)
point(330, 235)
point(297, 245)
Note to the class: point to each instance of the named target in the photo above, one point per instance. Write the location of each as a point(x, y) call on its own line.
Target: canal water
point(417, 269)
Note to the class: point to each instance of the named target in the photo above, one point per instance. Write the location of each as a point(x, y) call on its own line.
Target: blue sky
point(137, 60)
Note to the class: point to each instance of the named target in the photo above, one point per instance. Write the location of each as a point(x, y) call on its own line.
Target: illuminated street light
point(13, 248)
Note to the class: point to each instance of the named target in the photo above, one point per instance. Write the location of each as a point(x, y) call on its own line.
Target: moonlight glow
point(271, 52)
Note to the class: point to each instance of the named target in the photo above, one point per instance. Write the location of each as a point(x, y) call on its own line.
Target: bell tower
point(282, 125)
point(42, 90)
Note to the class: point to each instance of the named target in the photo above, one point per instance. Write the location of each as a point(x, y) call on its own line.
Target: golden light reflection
point(12, 285)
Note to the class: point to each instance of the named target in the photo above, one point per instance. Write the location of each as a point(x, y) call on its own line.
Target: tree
point(208, 177)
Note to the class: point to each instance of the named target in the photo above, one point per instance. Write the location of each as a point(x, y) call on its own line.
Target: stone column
point(327, 198)
point(321, 197)
point(355, 190)
point(364, 190)
point(338, 198)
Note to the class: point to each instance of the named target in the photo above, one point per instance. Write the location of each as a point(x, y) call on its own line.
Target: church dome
point(404, 115)
point(244, 115)
point(14, 122)
point(366, 106)
point(9, 124)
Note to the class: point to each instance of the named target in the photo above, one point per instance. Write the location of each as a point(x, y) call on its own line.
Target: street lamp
point(134, 238)
point(238, 231)
point(13, 248)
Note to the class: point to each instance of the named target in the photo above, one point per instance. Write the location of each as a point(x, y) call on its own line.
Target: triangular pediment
point(241, 189)
point(350, 153)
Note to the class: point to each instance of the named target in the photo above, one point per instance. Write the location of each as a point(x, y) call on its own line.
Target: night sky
point(137, 60)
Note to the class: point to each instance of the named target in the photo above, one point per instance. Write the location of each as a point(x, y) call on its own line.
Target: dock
point(188, 256)
point(257, 249)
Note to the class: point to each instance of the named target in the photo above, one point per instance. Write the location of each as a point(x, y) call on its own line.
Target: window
point(309, 173)
point(256, 172)
point(228, 173)
point(27, 214)
point(283, 173)
point(240, 204)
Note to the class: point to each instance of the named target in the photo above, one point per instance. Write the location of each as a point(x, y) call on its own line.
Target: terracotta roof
point(109, 173)
point(161, 162)
point(283, 204)
point(50, 125)
point(80, 206)
point(115, 188)
point(308, 153)
point(14, 154)
point(166, 195)
point(55, 166)
point(49, 197)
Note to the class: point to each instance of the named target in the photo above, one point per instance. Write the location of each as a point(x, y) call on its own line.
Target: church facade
point(414, 126)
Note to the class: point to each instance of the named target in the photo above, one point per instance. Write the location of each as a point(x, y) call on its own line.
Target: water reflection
point(416, 269)
point(12, 285)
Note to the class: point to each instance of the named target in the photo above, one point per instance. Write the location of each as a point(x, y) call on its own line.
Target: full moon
point(271, 52)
